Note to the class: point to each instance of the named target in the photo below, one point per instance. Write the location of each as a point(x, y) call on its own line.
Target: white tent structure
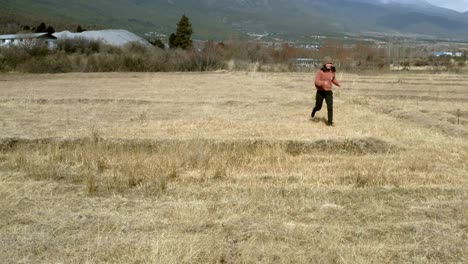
point(115, 37)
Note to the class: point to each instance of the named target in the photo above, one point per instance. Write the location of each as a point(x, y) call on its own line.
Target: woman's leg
point(318, 103)
point(329, 101)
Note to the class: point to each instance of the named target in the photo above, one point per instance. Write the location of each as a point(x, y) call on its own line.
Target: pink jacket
point(324, 80)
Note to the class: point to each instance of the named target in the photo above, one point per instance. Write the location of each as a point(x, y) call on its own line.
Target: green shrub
point(157, 60)
point(109, 49)
point(102, 62)
point(12, 57)
point(180, 60)
point(134, 63)
point(57, 63)
point(211, 57)
point(37, 50)
point(135, 47)
point(82, 45)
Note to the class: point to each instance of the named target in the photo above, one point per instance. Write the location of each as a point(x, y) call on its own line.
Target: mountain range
point(219, 19)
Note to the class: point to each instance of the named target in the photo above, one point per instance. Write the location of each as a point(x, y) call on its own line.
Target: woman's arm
point(335, 81)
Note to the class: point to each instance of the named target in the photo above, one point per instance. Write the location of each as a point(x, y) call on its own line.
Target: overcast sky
point(459, 5)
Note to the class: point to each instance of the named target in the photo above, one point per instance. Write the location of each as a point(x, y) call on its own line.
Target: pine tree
point(172, 38)
point(79, 29)
point(157, 43)
point(183, 35)
point(41, 28)
point(50, 30)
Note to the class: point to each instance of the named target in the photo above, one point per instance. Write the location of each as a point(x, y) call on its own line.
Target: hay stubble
point(228, 168)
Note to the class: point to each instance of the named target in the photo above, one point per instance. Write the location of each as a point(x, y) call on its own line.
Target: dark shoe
point(330, 124)
point(313, 114)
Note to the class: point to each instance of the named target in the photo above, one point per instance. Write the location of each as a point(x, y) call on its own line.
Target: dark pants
point(328, 96)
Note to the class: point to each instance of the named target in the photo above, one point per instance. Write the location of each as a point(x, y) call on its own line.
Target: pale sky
point(458, 5)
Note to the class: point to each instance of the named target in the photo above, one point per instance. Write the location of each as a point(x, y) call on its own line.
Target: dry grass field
point(228, 167)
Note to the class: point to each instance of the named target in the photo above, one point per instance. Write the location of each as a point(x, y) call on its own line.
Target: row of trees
point(80, 55)
point(11, 28)
point(43, 28)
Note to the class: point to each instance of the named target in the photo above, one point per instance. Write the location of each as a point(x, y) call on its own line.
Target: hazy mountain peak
point(410, 2)
point(280, 18)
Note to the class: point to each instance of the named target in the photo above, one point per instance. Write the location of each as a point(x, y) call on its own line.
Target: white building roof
point(26, 36)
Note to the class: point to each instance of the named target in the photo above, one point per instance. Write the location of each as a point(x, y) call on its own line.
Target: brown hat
point(327, 60)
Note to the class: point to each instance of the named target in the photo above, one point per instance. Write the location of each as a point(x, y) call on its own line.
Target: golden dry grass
point(228, 168)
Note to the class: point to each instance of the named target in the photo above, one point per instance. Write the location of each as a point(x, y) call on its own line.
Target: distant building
point(28, 39)
point(306, 62)
point(442, 53)
point(447, 53)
